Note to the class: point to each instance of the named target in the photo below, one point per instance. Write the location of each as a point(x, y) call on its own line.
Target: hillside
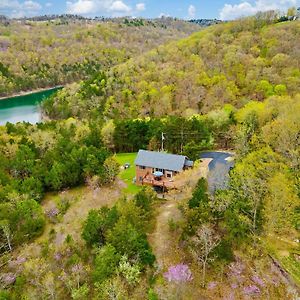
point(73, 223)
point(230, 63)
point(37, 54)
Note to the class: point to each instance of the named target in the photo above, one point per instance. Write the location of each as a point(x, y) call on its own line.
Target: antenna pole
point(162, 142)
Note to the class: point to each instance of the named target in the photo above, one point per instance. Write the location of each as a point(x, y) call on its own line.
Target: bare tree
point(202, 246)
point(4, 225)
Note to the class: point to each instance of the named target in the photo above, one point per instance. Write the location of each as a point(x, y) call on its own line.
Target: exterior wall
point(141, 173)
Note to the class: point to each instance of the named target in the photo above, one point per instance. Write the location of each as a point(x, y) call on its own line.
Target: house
point(158, 168)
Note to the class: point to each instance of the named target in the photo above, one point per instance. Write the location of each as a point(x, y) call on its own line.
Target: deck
point(164, 182)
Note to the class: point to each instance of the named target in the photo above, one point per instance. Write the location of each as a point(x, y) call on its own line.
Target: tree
point(97, 224)
point(26, 220)
point(112, 169)
point(202, 246)
point(56, 176)
point(192, 150)
point(4, 225)
point(107, 133)
point(106, 262)
point(145, 199)
point(127, 240)
point(131, 272)
point(200, 196)
point(292, 11)
point(280, 204)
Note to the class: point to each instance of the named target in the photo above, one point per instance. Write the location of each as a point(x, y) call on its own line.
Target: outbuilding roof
point(161, 160)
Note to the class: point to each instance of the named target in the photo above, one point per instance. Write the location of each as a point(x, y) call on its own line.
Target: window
point(141, 178)
point(169, 174)
point(159, 170)
point(142, 167)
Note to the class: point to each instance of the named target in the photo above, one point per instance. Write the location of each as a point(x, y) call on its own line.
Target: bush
point(224, 251)
point(173, 226)
point(63, 205)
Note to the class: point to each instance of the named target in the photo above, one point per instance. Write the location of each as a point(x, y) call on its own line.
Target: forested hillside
point(228, 63)
point(70, 228)
point(47, 53)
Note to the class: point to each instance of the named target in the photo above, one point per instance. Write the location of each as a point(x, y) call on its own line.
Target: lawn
point(128, 174)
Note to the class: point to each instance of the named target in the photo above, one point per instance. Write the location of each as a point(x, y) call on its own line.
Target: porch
point(163, 182)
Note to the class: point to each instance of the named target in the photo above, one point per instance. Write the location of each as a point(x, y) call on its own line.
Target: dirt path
point(164, 246)
point(163, 241)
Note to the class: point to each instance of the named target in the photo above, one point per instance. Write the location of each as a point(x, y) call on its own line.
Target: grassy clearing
point(128, 175)
point(82, 199)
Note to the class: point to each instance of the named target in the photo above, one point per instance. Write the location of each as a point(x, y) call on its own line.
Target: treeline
point(230, 63)
point(50, 55)
point(264, 193)
point(222, 231)
point(46, 157)
point(187, 136)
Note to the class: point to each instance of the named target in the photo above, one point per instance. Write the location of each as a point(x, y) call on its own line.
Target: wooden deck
point(164, 182)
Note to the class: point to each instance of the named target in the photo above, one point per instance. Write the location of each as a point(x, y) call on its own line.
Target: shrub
point(131, 272)
point(172, 225)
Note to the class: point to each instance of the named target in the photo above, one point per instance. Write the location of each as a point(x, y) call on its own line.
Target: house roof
point(160, 160)
point(189, 163)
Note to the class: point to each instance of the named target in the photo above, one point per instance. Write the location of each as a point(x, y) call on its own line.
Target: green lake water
point(23, 108)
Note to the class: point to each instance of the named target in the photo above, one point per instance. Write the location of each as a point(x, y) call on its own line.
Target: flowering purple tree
point(256, 279)
point(8, 278)
point(179, 273)
point(251, 290)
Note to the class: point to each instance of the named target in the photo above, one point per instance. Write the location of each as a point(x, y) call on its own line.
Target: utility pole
point(162, 142)
point(181, 144)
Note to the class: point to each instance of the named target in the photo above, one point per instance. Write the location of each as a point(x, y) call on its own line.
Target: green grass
point(292, 266)
point(128, 175)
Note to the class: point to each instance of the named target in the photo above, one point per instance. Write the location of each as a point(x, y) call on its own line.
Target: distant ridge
point(206, 22)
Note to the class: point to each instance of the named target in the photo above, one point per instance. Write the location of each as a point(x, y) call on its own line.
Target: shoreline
point(26, 93)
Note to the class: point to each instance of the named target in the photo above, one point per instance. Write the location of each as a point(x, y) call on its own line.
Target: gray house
point(153, 167)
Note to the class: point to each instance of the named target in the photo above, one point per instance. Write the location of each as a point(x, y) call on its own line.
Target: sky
point(184, 9)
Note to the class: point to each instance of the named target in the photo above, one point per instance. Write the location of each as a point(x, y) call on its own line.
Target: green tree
point(200, 195)
point(97, 224)
point(127, 240)
point(105, 264)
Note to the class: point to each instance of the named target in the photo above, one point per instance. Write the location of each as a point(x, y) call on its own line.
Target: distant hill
point(53, 50)
point(229, 63)
point(205, 22)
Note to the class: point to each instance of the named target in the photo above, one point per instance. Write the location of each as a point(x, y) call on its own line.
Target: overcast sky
point(186, 9)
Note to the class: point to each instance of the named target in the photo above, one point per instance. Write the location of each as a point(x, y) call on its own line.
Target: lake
point(23, 108)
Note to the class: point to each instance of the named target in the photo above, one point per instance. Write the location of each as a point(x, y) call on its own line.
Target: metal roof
point(189, 163)
point(160, 160)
